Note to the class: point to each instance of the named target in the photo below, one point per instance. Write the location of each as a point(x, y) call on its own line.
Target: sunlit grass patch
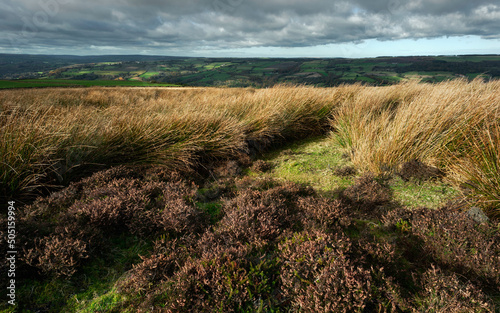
point(312, 162)
point(320, 163)
point(429, 194)
point(111, 301)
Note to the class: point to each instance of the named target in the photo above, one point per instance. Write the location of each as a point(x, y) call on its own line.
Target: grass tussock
point(385, 127)
point(48, 136)
point(450, 127)
point(476, 167)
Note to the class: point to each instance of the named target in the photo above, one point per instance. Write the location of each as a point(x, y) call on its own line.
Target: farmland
point(41, 83)
point(247, 72)
point(283, 199)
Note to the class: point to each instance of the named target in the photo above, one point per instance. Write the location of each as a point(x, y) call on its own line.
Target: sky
point(251, 28)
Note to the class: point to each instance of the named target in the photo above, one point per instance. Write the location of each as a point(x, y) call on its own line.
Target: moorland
point(352, 198)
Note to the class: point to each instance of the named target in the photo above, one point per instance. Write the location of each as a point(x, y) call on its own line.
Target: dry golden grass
point(385, 127)
point(51, 132)
point(442, 125)
point(476, 164)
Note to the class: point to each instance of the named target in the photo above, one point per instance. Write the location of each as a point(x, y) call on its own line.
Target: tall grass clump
point(49, 136)
point(453, 126)
point(32, 140)
point(477, 168)
point(383, 128)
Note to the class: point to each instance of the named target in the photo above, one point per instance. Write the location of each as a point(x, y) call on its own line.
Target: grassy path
point(319, 162)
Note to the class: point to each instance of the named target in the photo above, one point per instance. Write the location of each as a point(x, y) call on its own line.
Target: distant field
point(35, 83)
point(244, 72)
point(148, 75)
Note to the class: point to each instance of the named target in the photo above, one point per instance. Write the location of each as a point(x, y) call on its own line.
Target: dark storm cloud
point(156, 25)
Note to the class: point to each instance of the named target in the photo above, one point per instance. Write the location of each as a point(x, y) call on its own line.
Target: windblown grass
point(478, 168)
point(441, 125)
point(383, 128)
point(47, 134)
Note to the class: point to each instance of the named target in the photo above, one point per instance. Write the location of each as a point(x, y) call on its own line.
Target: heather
point(270, 246)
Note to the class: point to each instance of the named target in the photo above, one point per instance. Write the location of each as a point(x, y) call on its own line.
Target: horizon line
point(253, 57)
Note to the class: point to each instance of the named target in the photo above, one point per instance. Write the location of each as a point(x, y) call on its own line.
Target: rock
point(478, 215)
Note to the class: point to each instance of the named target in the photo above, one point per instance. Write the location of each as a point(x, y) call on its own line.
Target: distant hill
point(244, 72)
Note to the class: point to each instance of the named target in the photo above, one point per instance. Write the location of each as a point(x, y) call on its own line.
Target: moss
point(430, 194)
point(320, 163)
point(312, 162)
point(111, 301)
point(212, 209)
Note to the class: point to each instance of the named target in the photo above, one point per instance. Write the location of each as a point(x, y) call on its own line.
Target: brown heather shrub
point(141, 208)
point(277, 247)
point(216, 190)
point(367, 193)
point(204, 285)
point(387, 295)
point(414, 169)
point(58, 255)
point(103, 178)
point(229, 168)
point(232, 266)
point(393, 282)
point(261, 166)
point(167, 257)
point(265, 214)
point(453, 241)
point(381, 253)
point(249, 224)
point(446, 293)
point(59, 231)
point(222, 277)
point(325, 214)
point(345, 171)
point(47, 213)
point(318, 276)
point(58, 201)
point(457, 242)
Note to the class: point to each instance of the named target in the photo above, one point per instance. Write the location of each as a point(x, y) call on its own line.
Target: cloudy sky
point(244, 28)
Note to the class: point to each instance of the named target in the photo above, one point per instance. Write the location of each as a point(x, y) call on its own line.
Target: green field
point(247, 72)
point(35, 83)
